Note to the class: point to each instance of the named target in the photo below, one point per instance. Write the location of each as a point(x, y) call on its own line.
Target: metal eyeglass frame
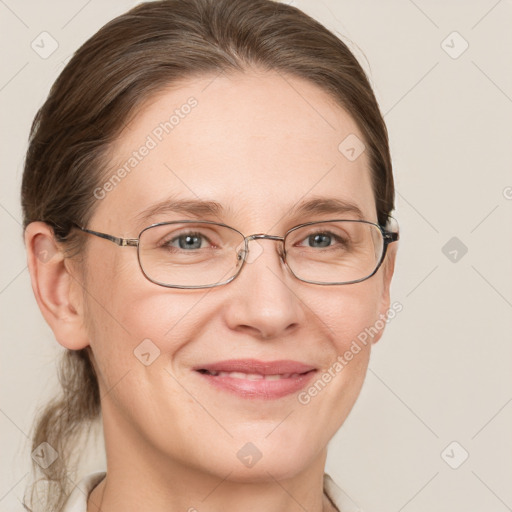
point(388, 237)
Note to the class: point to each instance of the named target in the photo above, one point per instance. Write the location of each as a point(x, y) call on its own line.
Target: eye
point(323, 239)
point(188, 241)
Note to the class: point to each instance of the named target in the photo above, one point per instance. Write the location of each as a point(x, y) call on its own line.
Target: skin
point(258, 143)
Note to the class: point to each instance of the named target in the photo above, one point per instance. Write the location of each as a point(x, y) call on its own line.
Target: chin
point(263, 458)
point(268, 469)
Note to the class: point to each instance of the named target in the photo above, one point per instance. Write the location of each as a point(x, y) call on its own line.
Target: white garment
point(77, 501)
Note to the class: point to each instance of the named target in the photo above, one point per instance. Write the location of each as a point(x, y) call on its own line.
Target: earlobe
point(52, 284)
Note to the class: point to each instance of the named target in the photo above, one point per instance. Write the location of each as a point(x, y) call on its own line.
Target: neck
point(139, 478)
point(104, 500)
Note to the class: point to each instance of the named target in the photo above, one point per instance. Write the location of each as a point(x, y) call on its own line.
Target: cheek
point(135, 333)
point(128, 308)
point(348, 312)
point(134, 322)
point(350, 315)
point(345, 314)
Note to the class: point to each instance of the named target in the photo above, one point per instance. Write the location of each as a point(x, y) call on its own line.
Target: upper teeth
point(252, 376)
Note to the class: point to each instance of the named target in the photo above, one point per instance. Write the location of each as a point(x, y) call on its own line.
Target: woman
point(207, 197)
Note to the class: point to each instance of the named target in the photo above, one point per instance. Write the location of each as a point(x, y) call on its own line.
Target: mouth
point(250, 378)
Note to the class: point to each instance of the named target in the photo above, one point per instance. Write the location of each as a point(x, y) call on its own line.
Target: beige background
point(443, 370)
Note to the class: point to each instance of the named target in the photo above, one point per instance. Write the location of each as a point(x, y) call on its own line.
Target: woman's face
point(259, 144)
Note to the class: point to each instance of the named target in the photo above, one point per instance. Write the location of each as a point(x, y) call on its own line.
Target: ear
point(387, 269)
point(57, 291)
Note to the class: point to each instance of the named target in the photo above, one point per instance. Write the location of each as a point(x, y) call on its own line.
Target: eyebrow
point(327, 205)
point(202, 208)
point(192, 207)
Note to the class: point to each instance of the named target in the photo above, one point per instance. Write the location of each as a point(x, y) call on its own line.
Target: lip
point(296, 376)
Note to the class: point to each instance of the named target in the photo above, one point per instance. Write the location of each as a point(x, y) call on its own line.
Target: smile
point(252, 376)
point(253, 379)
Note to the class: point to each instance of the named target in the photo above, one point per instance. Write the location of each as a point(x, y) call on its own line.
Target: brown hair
point(127, 61)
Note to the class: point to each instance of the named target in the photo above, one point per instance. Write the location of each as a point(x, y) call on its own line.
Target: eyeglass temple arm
point(391, 236)
point(123, 242)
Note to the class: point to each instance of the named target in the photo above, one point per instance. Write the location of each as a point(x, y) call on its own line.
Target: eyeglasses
point(204, 254)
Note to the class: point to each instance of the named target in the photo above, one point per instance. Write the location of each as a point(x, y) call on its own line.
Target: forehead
point(257, 143)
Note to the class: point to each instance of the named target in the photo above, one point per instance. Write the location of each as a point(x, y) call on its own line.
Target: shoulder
point(77, 501)
point(338, 496)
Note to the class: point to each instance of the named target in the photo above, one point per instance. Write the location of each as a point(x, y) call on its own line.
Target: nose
point(264, 300)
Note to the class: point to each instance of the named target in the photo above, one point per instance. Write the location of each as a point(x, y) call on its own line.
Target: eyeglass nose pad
point(240, 252)
point(249, 255)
